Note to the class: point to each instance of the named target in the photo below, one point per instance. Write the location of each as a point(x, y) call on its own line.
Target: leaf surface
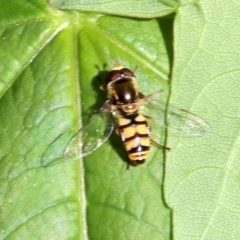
point(202, 179)
point(53, 64)
point(133, 8)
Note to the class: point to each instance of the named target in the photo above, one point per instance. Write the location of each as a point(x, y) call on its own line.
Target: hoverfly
point(122, 111)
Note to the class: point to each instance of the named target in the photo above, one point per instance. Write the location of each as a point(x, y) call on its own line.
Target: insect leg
point(150, 121)
point(159, 146)
point(128, 165)
point(117, 130)
point(135, 69)
point(103, 88)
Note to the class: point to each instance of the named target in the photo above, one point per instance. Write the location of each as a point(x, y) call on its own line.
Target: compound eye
point(119, 74)
point(126, 72)
point(113, 75)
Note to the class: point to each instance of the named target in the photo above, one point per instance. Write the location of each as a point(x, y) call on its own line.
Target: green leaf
point(133, 8)
point(52, 63)
point(19, 45)
point(202, 174)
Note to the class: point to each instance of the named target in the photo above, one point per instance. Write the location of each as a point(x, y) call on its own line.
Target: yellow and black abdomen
point(135, 134)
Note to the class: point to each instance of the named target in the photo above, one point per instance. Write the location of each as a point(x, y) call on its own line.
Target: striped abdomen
point(135, 134)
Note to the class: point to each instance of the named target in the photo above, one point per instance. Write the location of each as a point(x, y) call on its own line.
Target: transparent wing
point(92, 136)
point(174, 118)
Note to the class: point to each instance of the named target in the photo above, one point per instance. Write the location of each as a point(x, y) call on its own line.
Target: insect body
point(124, 102)
point(135, 134)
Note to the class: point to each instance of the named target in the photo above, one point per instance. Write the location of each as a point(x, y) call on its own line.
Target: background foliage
point(54, 57)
